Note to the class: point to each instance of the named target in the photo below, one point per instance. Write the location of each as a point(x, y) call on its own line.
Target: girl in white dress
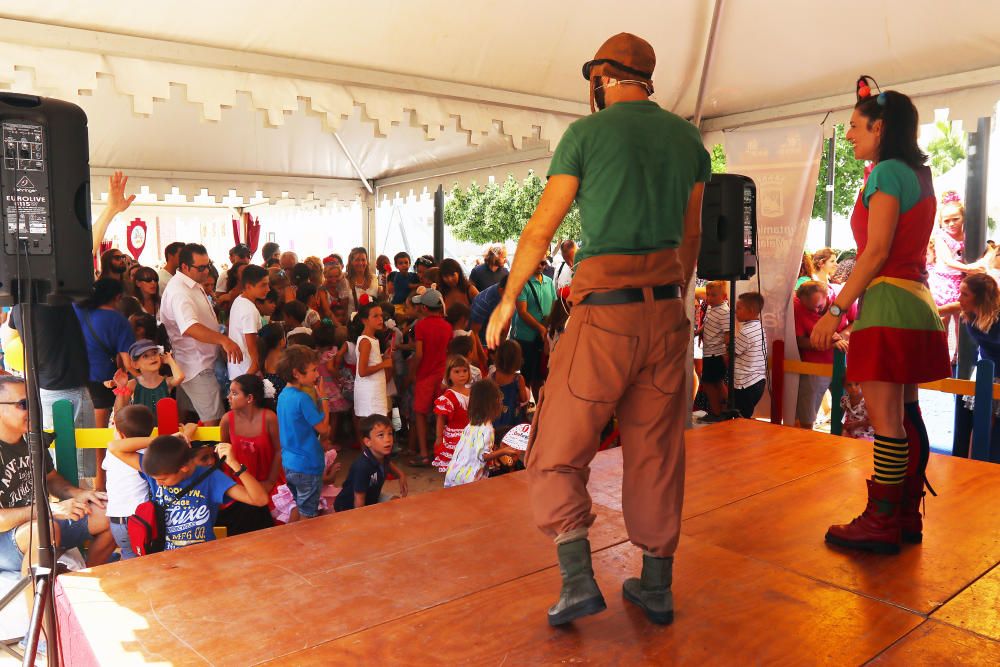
point(370, 395)
point(468, 463)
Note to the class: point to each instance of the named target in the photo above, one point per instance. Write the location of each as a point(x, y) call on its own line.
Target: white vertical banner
point(784, 165)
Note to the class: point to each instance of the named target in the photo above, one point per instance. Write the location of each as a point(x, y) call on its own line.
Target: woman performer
point(898, 341)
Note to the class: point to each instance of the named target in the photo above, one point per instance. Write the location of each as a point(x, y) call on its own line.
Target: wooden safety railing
point(983, 389)
point(68, 439)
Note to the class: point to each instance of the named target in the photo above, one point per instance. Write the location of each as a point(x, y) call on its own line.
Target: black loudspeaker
point(45, 195)
point(728, 229)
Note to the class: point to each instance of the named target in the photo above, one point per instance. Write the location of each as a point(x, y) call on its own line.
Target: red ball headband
point(864, 86)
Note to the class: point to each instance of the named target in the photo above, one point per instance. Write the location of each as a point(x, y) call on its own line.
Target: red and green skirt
point(899, 336)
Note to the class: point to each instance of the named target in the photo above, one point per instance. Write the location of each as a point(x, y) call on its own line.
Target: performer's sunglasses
point(21, 405)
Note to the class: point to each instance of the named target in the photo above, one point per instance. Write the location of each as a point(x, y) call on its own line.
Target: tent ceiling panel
point(769, 52)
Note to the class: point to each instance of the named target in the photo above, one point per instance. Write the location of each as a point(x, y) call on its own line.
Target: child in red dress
point(452, 410)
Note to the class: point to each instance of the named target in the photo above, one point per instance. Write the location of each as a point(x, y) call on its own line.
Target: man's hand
point(499, 322)
point(117, 201)
point(404, 486)
point(71, 509)
point(95, 498)
point(233, 352)
point(224, 450)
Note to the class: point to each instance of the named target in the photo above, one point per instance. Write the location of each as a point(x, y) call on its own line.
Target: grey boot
point(580, 595)
point(652, 591)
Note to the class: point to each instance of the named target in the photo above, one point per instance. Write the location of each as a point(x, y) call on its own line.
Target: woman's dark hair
point(166, 455)
point(485, 401)
point(234, 276)
point(355, 328)
point(253, 386)
point(269, 338)
point(304, 292)
point(987, 296)
point(301, 273)
point(147, 272)
point(447, 267)
point(102, 293)
point(900, 125)
point(509, 357)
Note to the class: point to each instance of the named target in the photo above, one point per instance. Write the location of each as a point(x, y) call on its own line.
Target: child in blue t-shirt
point(366, 477)
point(168, 468)
point(300, 424)
point(401, 281)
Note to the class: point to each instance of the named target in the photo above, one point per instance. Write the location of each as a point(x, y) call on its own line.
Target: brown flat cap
point(624, 56)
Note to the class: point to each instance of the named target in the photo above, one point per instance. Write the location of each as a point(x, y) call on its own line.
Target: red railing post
point(777, 380)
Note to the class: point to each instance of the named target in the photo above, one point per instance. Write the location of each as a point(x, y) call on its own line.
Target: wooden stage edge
point(461, 576)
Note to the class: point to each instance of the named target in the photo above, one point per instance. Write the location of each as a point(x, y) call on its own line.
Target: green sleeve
point(895, 178)
point(567, 159)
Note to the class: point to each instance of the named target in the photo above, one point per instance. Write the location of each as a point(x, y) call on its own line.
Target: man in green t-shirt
point(637, 173)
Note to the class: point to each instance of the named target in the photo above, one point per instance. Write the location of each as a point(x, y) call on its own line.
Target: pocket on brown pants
point(669, 374)
point(602, 362)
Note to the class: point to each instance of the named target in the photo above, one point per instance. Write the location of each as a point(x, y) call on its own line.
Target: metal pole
point(707, 63)
point(975, 246)
point(831, 167)
point(439, 224)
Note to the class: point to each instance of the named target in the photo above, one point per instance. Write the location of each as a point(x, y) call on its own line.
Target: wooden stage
point(462, 576)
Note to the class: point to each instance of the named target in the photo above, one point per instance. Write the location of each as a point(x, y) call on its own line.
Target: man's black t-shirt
point(367, 475)
point(483, 276)
point(59, 346)
point(15, 474)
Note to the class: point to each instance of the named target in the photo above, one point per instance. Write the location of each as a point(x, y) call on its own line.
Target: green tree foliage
point(848, 175)
point(947, 149)
point(718, 159)
point(498, 212)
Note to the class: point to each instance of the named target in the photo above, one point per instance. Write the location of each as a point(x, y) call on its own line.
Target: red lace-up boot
point(877, 529)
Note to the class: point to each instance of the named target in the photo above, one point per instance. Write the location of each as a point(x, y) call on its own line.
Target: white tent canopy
point(243, 99)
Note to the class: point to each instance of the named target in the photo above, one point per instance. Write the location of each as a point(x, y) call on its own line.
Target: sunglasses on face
point(21, 404)
point(146, 279)
point(201, 267)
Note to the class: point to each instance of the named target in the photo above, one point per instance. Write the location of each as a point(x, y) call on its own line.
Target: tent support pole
point(707, 63)
point(357, 169)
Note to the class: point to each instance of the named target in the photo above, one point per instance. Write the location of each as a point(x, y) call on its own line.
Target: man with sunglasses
point(79, 513)
point(637, 172)
point(195, 335)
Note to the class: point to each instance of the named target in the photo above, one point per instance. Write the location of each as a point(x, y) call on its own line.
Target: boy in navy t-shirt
point(401, 280)
point(168, 468)
point(363, 485)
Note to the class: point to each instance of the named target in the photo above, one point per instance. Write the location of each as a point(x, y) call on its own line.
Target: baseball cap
point(431, 298)
point(141, 347)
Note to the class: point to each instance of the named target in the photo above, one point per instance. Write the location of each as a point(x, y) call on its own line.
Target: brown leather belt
point(618, 297)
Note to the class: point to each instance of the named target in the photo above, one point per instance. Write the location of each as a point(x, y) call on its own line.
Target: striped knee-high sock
point(891, 458)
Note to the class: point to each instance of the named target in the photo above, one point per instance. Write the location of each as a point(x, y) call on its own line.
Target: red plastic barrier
point(168, 421)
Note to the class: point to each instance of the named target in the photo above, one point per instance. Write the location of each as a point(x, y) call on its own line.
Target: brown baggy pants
point(626, 359)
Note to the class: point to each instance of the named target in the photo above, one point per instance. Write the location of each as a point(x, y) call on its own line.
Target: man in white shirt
point(245, 321)
point(564, 274)
point(195, 336)
point(172, 255)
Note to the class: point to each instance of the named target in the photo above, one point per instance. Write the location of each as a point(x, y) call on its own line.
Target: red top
point(256, 452)
point(435, 333)
point(908, 253)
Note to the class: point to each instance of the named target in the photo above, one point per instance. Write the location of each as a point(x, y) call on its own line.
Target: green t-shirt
point(896, 178)
point(539, 296)
point(637, 164)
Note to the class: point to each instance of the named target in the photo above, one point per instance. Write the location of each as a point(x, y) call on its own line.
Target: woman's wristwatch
point(836, 310)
